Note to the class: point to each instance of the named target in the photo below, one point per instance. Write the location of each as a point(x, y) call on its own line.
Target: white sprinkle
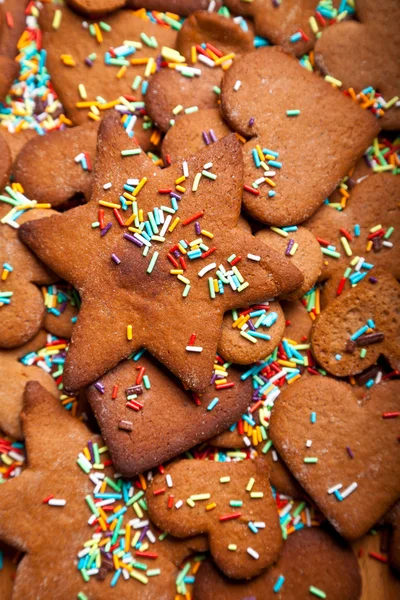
point(359, 264)
point(131, 123)
point(246, 440)
point(83, 552)
point(178, 504)
point(166, 225)
point(349, 490)
point(132, 181)
point(208, 165)
point(168, 479)
point(185, 168)
point(378, 377)
point(151, 536)
point(253, 553)
point(260, 524)
point(107, 186)
point(254, 257)
point(308, 517)
point(237, 85)
point(79, 157)
point(91, 519)
point(187, 69)
point(15, 456)
point(334, 488)
point(207, 61)
point(387, 244)
point(309, 443)
point(207, 268)
point(194, 348)
point(274, 456)
point(286, 510)
point(57, 502)
point(211, 6)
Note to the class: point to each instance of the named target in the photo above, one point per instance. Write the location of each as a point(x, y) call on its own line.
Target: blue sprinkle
point(313, 417)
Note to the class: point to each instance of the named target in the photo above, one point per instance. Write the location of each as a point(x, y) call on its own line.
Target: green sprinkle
point(186, 290)
point(363, 352)
point(152, 262)
point(293, 113)
point(311, 459)
point(191, 110)
point(209, 175)
point(82, 596)
point(216, 90)
point(132, 152)
point(211, 287)
point(267, 447)
point(317, 592)
point(232, 547)
point(146, 382)
point(388, 233)
point(105, 26)
point(236, 503)
point(330, 253)
point(92, 506)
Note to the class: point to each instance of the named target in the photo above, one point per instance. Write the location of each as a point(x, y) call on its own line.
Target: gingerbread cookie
point(14, 375)
point(89, 78)
point(94, 8)
point(72, 153)
point(350, 53)
point(284, 184)
point(5, 162)
point(21, 303)
point(359, 326)
point(193, 132)
point(251, 334)
point(62, 306)
point(301, 247)
point(298, 322)
point(16, 140)
point(362, 231)
point(394, 549)
point(139, 433)
point(204, 27)
point(313, 563)
point(231, 502)
point(352, 476)
point(179, 274)
point(12, 24)
point(61, 490)
point(173, 93)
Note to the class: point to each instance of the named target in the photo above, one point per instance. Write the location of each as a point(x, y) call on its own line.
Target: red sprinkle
point(236, 260)
point(146, 554)
point(45, 501)
point(248, 188)
point(224, 386)
point(341, 285)
point(230, 517)
point(192, 339)
point(114, 392)
point(165, 191)
point(158, 492)
point(210, 251)
point(173, 261)
point(391, 415)
point(377, 556)
point(346, 234)
point(170, 501)
point(118, 217)
point(193, 218)
point(183, 263)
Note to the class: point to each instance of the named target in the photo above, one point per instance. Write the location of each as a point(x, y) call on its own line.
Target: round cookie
point(12, 24)
point(350, 52)
point(238, 348)
point(17, 140)
point(193, 132)
point(95, 8)
point(14, 376)
point(169, 89)
point(307, 256)
point(205, 27)
point(5, 162)
point(298, 321)
point(310, 558)
point(61, 323)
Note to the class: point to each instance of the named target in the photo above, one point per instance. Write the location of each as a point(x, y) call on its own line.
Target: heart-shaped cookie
point(359, 326)
point(231, 502)
point(345, 453)
point(351, 52)
point(284, 183)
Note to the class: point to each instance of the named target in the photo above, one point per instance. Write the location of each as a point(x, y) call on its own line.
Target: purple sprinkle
point(62, 306)
point(373, 280)
point(99, 386)
point(250, 324)
point(142, 534)
point(105, 229)
point(350, 452)
point(175, 195)
point(88, 62)
point(289, 247)
point(115, 258)
point(213, 378)
point(197, 228)
point(132, 238)
point(213, 136)
point(176, 253)
point(251, 121)
point(90, 448)
point(206, 138)
point(276, 3)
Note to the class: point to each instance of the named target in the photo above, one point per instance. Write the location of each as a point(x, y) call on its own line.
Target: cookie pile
point(199, 299)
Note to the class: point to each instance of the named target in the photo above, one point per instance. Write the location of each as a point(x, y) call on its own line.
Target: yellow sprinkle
point(180, 179)
point(130, 220)
point(193, 54)
point(211, 506)
point(57, 19)
point(369, 246)
point(256, 494)
point(333, 80)
point(232, 547)
point(180, 188)
point(286, 363)
point(225, 58)
point(129, 332)
point(149, 67)
point(121, 72)
point(139, 186)
point(181, 249)
point(98, 34)
point(176, 271)
point(207, 233)
point(173, 224)
point(260, 152)
point(172, 55)
point(270, 182)
point(109, 204)
point(183, 279)
point(376, 228)
point(279, 231)
point(249, 486)
point(224, 479)
point(293, 249)
point(93, 116)
point(139, 576)
point(177, 109)
point(346, 246)
point(191, 503)
point(196, 182)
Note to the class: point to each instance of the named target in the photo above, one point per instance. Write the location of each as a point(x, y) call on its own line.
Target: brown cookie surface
point(5, 162)
point(23, 309)
point(92, 259)
point(17, 140)
point(394, 549)
point(250, 335)
point(193, 132)
point(31, 517)
point(296, 184)
point(67, 175)
point(207, 27)
point(237, 550)
point(14, 376)
point(157, 435)
point(363, 469)
point(298, 322)
point(359, 326)
point(349, 52)
point(302, 249)
point(353, 224)
point(94, 8)
point(311, 559)
point(12, 24)
point(79, 86)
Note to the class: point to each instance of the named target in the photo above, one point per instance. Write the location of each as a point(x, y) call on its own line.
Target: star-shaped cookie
point(158, 274)
point(56, 495)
